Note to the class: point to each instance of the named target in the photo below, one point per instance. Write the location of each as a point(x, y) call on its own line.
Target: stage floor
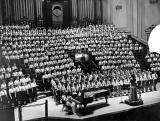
point(94, 109)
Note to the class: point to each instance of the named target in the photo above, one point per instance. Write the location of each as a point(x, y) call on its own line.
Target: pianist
point(71, 106)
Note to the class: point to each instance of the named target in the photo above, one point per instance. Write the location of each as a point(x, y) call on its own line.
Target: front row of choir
point(116, 86)
point(18, 92)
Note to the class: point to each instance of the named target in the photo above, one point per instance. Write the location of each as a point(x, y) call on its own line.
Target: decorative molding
point(118, 7)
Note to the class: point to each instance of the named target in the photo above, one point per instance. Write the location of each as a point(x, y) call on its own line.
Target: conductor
point(133, 98)
point(133, 89)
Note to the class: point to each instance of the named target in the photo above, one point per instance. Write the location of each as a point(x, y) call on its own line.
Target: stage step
point(41, 97)
point(43, 94)
point(48, 93)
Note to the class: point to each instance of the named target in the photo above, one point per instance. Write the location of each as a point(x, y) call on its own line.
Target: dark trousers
point(13, 99)
point(154, 84)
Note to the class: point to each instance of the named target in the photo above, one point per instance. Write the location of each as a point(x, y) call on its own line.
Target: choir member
point(17, 85)
point(34, 89)
point(4, 95)
point(154, 77)
point(24, 91)
point(12, 93)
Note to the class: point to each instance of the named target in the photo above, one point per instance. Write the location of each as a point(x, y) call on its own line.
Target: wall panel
point(135, 18)
point(0, 14)
point(129, 16)
point(152, 13)
point(119, 13)
point(20, 11)
point(105, 12)
point(143, 19)
point(85, 12)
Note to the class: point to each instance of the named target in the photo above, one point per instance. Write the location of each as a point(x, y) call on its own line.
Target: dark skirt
point(147, 83)
point(18, 98)
point(34, 93)
point(30, 95)
point(150, 82)
point(115, 88)
point(154, 84)
point(24, 96)
point(45, 83)
point(139, 83)
point(35, 90)
point(58, 96)
point(143, 83)
point(111, 88)
point(125, 87)
point(133, 94)
point(13, 101)
point(4, 100)
point(27, 96)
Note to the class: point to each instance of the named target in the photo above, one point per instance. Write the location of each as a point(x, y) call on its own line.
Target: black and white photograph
point(79, 60)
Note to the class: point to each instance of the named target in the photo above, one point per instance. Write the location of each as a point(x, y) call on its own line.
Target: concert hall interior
point(79, 60)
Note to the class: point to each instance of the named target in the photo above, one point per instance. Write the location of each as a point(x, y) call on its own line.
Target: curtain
point(86, 12)
point(22, 11)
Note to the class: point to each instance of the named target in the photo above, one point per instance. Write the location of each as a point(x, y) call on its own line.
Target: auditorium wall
point(148, 14)
point(131, 15)
point(120, 13)
point(117, 12)
point(152, 13)
point(125, 14)
point(0, 14)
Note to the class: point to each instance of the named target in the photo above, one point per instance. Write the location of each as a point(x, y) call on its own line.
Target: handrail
point(94, 64)
point(83, 65)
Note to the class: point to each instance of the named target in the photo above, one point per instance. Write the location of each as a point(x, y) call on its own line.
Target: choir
point(40, 57)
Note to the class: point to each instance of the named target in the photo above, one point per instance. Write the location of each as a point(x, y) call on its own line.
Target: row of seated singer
point(32, 49)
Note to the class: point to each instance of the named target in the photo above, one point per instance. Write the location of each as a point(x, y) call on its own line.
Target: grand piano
point(89, 97)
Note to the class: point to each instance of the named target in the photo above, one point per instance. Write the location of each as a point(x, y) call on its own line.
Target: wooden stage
point(98, 110)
